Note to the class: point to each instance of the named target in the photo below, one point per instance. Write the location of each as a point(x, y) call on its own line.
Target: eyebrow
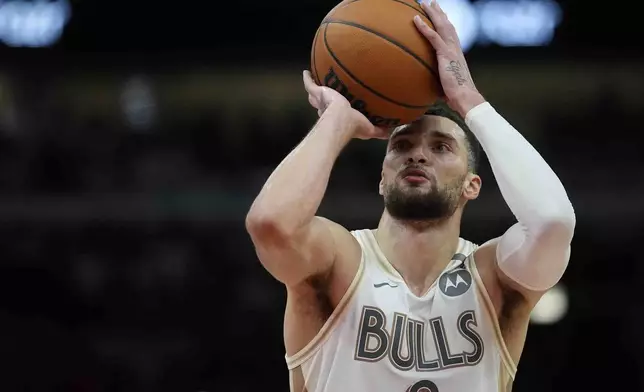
point(408, 130)
point(405, 130)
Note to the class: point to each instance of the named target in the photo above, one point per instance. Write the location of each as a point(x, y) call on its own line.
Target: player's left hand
point(460, 92)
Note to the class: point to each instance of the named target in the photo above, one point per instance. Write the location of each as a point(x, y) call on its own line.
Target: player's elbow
point(557, 219)
point(268, 237)
point(276, 249)
point(562, 223)
point(265, 228)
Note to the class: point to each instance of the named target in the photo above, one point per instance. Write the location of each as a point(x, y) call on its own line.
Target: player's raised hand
point(323, 98)
point(460, 92)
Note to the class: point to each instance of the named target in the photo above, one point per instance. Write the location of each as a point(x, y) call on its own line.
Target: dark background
point(131, 149)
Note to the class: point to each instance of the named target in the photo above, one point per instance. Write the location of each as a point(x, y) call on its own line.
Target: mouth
point(415, 176)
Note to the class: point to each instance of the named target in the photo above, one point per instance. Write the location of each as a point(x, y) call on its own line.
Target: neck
point(419, 251)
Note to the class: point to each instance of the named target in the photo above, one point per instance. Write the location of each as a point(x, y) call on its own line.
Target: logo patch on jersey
point(379, 285)
point(459, 257)
point(455, 282)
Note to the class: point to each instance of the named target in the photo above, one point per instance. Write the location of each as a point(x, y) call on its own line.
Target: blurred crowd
point(124, 261)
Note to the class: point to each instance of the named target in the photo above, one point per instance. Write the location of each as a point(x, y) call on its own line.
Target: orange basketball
point(372, 53)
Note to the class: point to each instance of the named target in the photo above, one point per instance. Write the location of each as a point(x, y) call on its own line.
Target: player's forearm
point(529, 186)
point(292, 194)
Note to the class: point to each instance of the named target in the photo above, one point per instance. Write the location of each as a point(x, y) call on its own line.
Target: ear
point(472, 186)
point(381, 185)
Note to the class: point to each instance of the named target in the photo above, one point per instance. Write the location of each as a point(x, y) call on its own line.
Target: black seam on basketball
point(410, 6)
point(360, 82)
point(421, 10)
point(409, 52)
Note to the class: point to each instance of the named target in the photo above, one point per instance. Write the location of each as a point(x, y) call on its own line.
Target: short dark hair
point(440, 108)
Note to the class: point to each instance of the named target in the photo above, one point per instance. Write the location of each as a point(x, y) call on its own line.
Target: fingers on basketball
point(381, 133)
point(432, 36)
point(444, 28)
point(309, 84)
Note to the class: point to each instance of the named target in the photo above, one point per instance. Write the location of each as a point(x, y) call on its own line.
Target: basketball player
point(411, 306)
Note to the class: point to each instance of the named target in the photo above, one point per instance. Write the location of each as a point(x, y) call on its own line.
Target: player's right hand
point(322, 98)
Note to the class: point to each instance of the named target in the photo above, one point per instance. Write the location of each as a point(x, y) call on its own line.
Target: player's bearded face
point(422, 203)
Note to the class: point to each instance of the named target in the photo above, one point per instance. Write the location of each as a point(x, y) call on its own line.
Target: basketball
point(372, 53)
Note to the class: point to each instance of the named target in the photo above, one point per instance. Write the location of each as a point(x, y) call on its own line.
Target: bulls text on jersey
point(373, 329)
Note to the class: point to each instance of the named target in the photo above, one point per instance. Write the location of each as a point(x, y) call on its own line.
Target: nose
point(417, 155)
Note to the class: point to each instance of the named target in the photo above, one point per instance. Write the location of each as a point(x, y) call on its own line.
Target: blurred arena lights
point(138, 103)
point(552, 307)
point(504, 22)
point(36, 23)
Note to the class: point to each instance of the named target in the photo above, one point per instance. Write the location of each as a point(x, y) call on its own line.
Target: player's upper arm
point(311, 251)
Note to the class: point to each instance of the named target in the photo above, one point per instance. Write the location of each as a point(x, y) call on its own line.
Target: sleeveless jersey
point(382, 337)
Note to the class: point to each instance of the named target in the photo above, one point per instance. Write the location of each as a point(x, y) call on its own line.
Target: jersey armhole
point(506, 358)
point(505, 379)
point(318, 340)
point(296, 381)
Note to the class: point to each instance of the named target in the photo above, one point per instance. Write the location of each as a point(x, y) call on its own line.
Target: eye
point(401, 145)
point(442, 147)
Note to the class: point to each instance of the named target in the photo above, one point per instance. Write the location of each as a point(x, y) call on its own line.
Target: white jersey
point(382, 337)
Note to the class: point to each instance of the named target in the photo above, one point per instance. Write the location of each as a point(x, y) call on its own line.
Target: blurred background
point(135, 135)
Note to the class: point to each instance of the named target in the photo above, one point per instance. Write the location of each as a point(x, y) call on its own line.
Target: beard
point(422, 205)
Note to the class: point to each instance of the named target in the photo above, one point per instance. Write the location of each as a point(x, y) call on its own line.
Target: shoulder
point(485, 262)
point(347, 242)
point(507, 300)
point(312, 302)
